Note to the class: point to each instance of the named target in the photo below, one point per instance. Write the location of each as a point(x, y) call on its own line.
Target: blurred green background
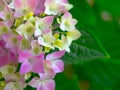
point(94, 60)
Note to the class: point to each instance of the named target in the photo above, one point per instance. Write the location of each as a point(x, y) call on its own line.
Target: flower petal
point(24, 55)
point(41, 41)
point(48, 84)
point(67, 23)
point(34, 82)
point(18, 3)
point(58, 66)
point(55, 55)
point(38, 64)
point(73, 35)
point(48, 20)
point(38, 68)
point(31, 4)
point(40, 7)
point(24, 6)
point(25, 68)
point(49, 72)
point(6, 58)
point(53, 7)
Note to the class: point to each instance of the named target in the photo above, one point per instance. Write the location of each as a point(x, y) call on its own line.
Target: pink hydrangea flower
point(6, 14)
point(28, 31)
point(6, 56)
point(12, 41)
point(53, 65)
point(57, 63)
point(30, 62)
point(67, 22)
point(23, 7)
point(42, 24)
point(36, 48)
point(53, 7)
point(48, 70)
point(47, 39)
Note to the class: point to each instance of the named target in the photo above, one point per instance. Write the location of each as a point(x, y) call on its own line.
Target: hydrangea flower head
point(34, 35)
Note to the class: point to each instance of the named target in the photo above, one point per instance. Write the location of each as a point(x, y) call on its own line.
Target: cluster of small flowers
point(29, 31)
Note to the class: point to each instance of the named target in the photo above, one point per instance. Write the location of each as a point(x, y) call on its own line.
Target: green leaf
point(65, 83)
point(86, 48)
point(99, 74)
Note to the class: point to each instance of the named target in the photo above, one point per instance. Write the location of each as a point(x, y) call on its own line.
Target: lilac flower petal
point(18, 3)
point(46, 85)
point(40, 57)
point(46, 31)
point(40, 7)
point(4, 60)
point(55, 55)
point(25, 68)
point(66, 16)
point(38, 63)
point(8, 38)
point(24, 55)
point(31, 4)
point(64, 1)
point(5, 37)
point(38, 67)
point(49, 72)
point(48, 20)
point(11, 55)
point(34, 82)
point(58, 66)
